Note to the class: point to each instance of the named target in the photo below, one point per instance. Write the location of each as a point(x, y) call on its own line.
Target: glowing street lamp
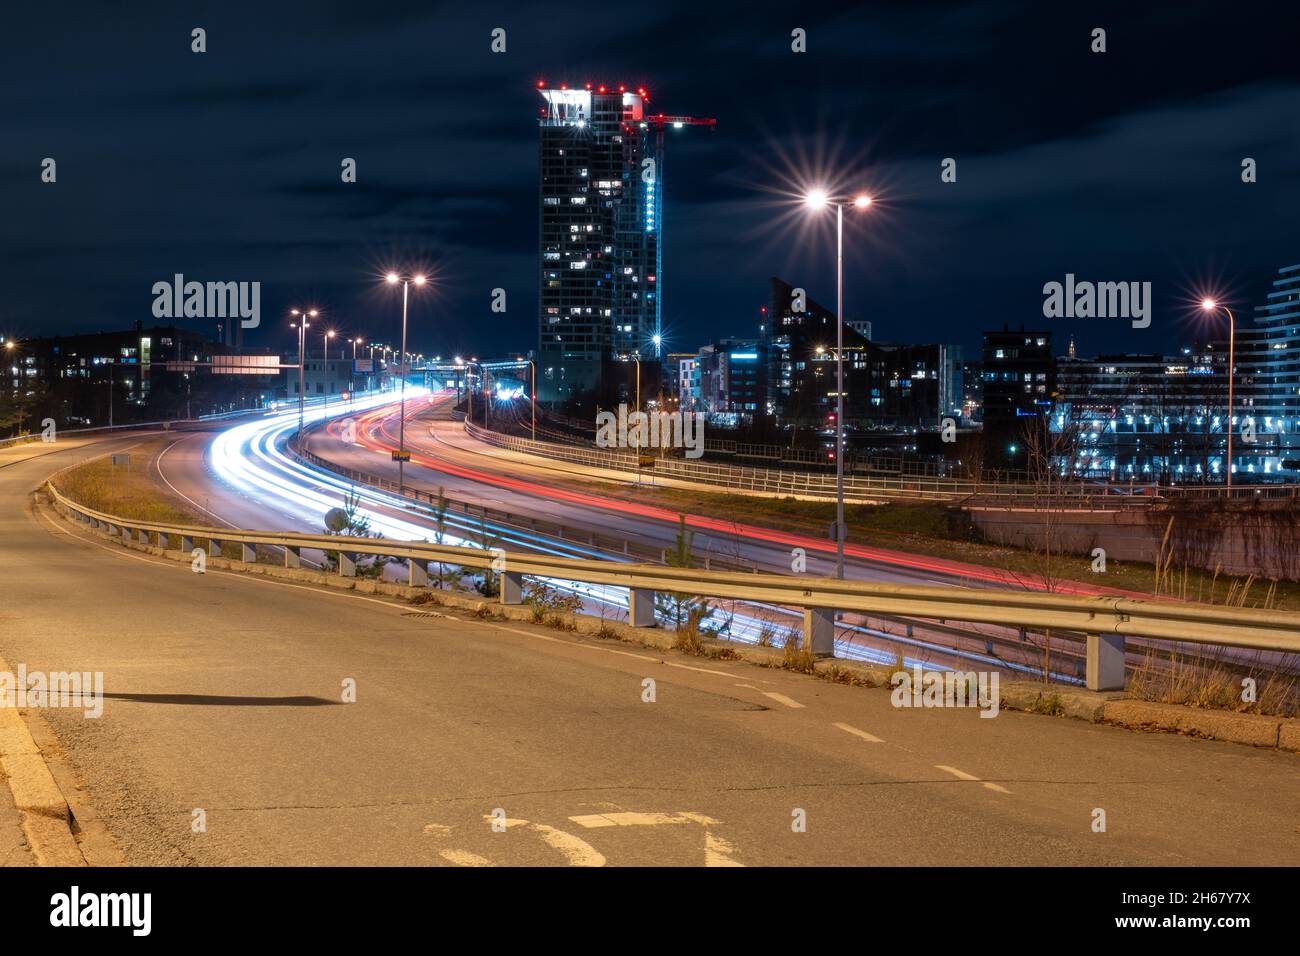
point(818, 199)
point(1210, 305)
point(418, 279)
point(302, 325)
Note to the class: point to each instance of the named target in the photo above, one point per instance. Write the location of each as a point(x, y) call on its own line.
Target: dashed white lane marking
point(630, 819)
point(464, 858)
point(959, 774)
point(702, 670)
point(870, 738)
point(963, 775)
point(781, 698)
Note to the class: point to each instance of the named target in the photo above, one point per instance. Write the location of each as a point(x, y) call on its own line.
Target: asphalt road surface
point(225, 695)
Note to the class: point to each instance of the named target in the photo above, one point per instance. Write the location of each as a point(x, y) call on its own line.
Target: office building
point(601, 220)
point(1018, 379)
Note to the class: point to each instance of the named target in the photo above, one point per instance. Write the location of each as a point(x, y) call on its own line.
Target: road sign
point(645, 461)
point(121, 459)
point(401, 456)
point(363, 366)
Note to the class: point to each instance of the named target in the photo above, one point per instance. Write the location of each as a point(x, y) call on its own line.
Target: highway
point(242, 476)
point(531, 487)
point(239, 476)
point(225, 695)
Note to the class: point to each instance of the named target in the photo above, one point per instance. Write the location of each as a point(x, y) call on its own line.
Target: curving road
point(225, 699)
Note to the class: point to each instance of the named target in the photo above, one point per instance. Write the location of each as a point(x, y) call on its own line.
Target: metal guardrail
point(130, 426)
point(1105, 620)
point(511, 521)
point(1073, 495)
point(766, 480)
point(168, 423)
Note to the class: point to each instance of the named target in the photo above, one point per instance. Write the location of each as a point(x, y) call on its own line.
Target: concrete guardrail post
point(512, 587)
point(417, 573)
point(641, 607)
point(247, 552)
point(292, 556)
point(1105, 662)
point(214, 548)
point(187, 543)
point(347, 564)
point(142, 536)
point(819, 630)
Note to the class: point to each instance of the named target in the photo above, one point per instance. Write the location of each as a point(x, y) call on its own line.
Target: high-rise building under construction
point(600, 235)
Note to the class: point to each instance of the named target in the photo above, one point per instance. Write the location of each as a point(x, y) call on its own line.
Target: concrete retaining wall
point(1260, 539)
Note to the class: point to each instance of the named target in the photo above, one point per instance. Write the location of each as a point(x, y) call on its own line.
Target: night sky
point(224, 166)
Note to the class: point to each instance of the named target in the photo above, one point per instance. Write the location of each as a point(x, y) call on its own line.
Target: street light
point(532, 391)
point(1210, 305)
point(818, 199)
point(301, 325)
point(418, 279)
point(352, 372)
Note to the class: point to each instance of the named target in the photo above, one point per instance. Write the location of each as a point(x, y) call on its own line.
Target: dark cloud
point(226, 165)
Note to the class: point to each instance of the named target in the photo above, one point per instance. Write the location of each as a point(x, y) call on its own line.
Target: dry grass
point(687, 639)
point(131, 492)
point(1202, 679)
point(128, 491)
point(796, 658)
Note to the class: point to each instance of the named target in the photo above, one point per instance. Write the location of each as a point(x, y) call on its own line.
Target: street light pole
point(303, 325)
point(401, 415)
point(819, 199)
point(1210, 305)
point(1232, 368)
point(393, 278)
point(839, 390)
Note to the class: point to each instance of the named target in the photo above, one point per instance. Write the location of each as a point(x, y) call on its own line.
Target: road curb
point(1115, 709)
point(1254, 729)
point(46, 816)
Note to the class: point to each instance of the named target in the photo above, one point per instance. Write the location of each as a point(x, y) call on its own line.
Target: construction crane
point(659, 122)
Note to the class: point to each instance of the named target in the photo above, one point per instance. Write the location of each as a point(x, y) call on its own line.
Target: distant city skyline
point(225, 166)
